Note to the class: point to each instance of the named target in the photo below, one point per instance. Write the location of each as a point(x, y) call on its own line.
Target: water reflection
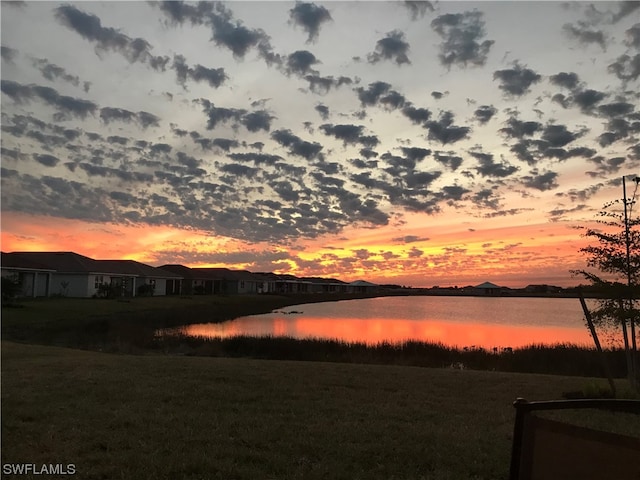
point(456, 321)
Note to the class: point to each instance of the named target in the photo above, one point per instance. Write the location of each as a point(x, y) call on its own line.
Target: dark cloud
point(323, 110)
point(462, 35)
point(53, 72)
point(179, 11)
point(46, 159)
point(485, 113)
point(393, 47)
point(239, 170)
point(633, 37)
point(587, 99)
point(310, 18)
point(418, 8)
point(444, 131)
point(216, 115)
point(416, 115)
point(225, 144)
point(300, 62)
point(234, 35)
point(625, 7)
point(516, 81)
point(616, 109)
point(322, 85)
point(215, 77)
point(606, 166)
point(454, 193)
point(368, 153)
point(116, 139)
point(392, 100)
point(90, 28)
point(11, 154)
point(448, 159)
point(371, 95)
point(419, 179)
point(296, 145)
point(226, 32)
point(542, 182)
point(258, 120)
point(349, 134)
point(585, 35)
point(489, 168)
point(409, 239)
point(626, 67)
point(144, 119)
point(558, 135)
point(415, 153)
point(158, 148)
point(256, 158)
point(519, 129)
point(8, 54)
point(567, 80)
point(66, 105)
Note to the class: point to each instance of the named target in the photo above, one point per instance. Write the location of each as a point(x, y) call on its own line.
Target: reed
point(560, 359)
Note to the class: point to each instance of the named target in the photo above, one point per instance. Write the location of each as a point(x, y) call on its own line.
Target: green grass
point(168, 417)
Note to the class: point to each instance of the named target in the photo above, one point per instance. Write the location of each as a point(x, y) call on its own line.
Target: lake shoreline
point(131, 327)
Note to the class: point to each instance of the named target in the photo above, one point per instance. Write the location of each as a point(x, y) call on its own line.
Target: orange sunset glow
point(378, 330)
point(524, 254)
point(432, 144)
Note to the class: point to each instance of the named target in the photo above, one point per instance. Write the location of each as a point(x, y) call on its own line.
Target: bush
point(11, 287)
point(146, 290)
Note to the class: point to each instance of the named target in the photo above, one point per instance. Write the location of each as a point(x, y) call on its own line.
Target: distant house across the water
point(488, 288)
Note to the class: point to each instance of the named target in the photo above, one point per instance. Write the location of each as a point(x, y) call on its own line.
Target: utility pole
point(632, 320)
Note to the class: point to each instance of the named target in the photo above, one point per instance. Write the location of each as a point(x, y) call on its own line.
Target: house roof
point(74, 263)
point(226, 274)
point(487, 285)
point(131, 267)
point(67, 262)
point(324, 281)
point(362, 283)
point(18, 262)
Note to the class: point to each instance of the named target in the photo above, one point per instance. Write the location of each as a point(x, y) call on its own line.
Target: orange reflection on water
point(377, 330)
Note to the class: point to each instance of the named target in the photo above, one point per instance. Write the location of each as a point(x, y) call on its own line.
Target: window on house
point(99, 281)
point(241, 283)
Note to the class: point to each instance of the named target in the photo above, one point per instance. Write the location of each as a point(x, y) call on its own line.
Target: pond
point(487, 322)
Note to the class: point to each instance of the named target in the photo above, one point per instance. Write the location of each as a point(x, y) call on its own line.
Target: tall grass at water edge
point(559, 359)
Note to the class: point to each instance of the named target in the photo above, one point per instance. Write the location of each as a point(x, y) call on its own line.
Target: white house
point(72, 275)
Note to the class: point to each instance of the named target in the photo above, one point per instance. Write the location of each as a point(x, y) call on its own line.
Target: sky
point(416, 143)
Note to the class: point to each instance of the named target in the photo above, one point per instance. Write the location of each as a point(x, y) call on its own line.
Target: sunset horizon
point(413, 143)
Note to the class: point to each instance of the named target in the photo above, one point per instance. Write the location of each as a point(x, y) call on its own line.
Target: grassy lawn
point(168, 417)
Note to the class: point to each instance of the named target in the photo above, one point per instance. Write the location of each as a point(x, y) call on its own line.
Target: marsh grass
point(560, 359)
point(167, 417)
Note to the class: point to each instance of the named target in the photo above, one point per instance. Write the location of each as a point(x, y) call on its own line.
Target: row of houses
point(45, 274)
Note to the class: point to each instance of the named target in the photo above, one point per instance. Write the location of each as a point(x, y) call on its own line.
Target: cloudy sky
point(442, 143)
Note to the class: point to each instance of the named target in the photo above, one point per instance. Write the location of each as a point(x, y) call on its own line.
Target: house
point(326, 285)
point(73, 275)
point(362, 286)
point(34, 277)
point(488, 289)
point(233, 281)
point(197, 281)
